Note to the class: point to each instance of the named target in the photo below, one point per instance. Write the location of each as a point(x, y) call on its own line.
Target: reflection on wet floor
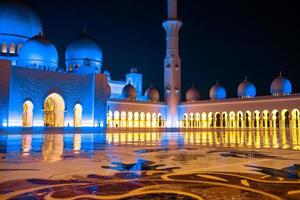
point(52, 146)
point(215, 164)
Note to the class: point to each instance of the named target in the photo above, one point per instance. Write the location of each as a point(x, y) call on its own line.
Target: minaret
point(172, 64)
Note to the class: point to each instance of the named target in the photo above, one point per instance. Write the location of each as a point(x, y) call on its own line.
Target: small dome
point(192, 94)
point(83, 51)
point(129, 92)
point(217, 92)
point(246, 89)
point(38, 53)
point(281, 86)
point(18, 21)
point(152, 94)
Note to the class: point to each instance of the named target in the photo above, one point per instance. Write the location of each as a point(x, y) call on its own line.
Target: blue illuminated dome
point(18, 22)
point(129, 92)
point(192, 94)
point(38, 53)
point(217, 92)
point(152, 94)
point(281, 86)
point(246, 89)
point(84, 55)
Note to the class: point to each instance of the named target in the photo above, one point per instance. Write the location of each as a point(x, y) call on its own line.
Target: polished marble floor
point(216, 164)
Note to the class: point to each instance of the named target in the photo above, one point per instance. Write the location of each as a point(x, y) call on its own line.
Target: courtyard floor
point(210, 164)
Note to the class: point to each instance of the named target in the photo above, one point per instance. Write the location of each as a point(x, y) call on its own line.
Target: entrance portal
point(54, 108)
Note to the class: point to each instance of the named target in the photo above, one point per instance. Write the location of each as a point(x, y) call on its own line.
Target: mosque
point(36, 92)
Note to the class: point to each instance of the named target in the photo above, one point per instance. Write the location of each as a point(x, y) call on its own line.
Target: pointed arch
point(248, 121)
point(224, 119)
point(136, 118)
point(54, 110)
point(285, 118)
point(116, 119)
point(27, 117)
point(142, 119)
point(77, 115)
point(109, 119)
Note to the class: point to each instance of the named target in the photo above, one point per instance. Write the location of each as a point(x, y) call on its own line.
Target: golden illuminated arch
point(185, 120)
point(77, 115)
point(295, 118)
point(27, 117)
point(142, 119)
point(248, 121)
point(148, 119)
point(285, 118)
point(154, 123)
point(160, 120)
point(109, 119)
point(54, 109)
point(116, 120)
point(217, 121)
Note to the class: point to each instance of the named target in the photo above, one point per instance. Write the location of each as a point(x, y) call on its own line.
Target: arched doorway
point(217, 120)
point(275, 119)
point(224, 120)
point(142, 119)
point(232, 123)
point(197, 120)
point(54, 108)
point(136, 117)
point(160, 120)
point(240, 119)
point(123, 119)
point(266, 120)
point(77, 115)
point(110, 119)
point(191, 120)
point(256, 116)
point(185, 120)
point(27, 114)
point(154, 120)
point(248, 119)
point(129, 119)
point(285, 118)
point(116, 119)
point(295, 118)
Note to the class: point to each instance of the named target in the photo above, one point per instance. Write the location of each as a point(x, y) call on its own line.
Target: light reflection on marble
point(30, 162)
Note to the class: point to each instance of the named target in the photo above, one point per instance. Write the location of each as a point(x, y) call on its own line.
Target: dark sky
point(220, 40)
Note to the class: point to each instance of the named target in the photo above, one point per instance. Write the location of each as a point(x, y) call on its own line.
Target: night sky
point(220, 40)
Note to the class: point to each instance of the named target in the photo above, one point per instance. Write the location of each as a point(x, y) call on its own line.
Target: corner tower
point(172, 64)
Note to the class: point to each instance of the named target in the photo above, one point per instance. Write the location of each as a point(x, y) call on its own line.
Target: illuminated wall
point(90, 91)
point(136, 114)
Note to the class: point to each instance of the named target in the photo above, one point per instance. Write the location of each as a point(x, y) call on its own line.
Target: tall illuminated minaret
point(172, 64)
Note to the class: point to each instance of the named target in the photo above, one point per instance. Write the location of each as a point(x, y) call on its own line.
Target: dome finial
point(246, 78)
point(280, 73)
point(217, 82)
point(84, 30)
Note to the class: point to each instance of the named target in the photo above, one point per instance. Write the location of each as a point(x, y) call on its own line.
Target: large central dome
point(39, 53)
point(18, 21)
